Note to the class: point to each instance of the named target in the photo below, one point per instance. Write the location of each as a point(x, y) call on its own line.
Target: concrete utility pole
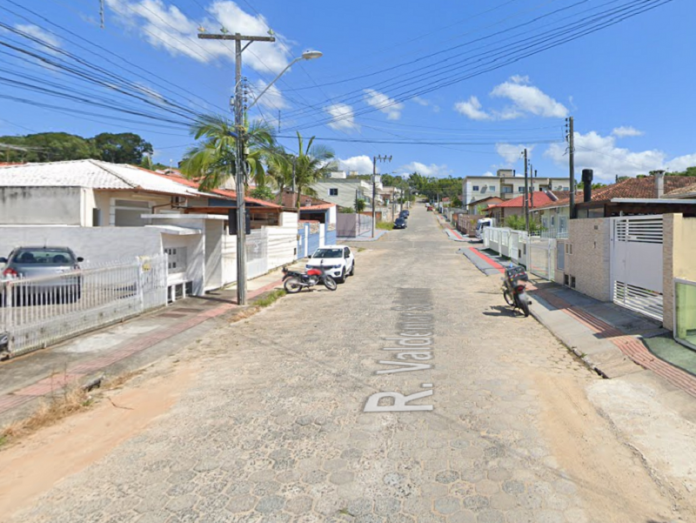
point(571, 165)
point(526, 194)
point(375, 159)
point(239, 161)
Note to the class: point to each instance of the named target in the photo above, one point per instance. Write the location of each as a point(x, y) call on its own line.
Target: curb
point(90, 371)
point(581, 356)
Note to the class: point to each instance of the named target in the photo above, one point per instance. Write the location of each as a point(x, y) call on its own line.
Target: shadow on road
point(502, 311)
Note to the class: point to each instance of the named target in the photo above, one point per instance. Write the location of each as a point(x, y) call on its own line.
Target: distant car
point(429, 208)
point(44, 267)
point(404, 214)
point(400, 223)
point(337, 260)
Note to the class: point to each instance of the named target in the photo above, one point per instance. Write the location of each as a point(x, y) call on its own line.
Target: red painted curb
point(491, 261)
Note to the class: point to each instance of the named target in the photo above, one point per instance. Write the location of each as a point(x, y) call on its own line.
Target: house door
point(636, 264)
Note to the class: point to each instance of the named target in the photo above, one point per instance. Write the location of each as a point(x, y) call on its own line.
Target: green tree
point(312, 163)
point(212, 161)
point(47, 147)
point(121, 148)
point(689, 171)
point(359, 205)
point(263, 193)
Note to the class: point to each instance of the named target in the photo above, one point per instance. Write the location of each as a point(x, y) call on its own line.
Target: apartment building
point(507, 185)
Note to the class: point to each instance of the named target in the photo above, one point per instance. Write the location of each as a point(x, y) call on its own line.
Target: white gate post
point(322, 234)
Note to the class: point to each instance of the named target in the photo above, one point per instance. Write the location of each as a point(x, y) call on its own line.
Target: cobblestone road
point(273, 427)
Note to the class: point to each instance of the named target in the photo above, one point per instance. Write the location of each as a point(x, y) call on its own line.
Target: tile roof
point(639, 188)
point(683, 190)
point(539, 198)
point(92, 174)
point(95, 174)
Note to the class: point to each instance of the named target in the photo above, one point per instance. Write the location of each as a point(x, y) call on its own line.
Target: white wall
point(95, 244)
point(42, 205)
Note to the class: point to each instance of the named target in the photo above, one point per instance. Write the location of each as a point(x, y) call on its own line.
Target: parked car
point(44, 268)
point(337, 260)
point(405, 213)
point(400, 223)
point(429, 208)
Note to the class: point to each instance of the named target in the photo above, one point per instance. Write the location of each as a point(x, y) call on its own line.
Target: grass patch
point(50, 412)
point(388, 226)
point(270, 298)
point(360, 249)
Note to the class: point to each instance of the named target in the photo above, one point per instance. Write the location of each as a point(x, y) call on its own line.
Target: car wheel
point(352, 270)
point(342, 277)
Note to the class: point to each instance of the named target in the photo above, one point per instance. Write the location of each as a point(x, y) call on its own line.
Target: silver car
point(45, 270)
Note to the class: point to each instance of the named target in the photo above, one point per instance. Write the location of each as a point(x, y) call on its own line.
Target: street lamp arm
point(274, 81)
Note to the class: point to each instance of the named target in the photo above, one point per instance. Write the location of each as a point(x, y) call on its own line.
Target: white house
point(507, 185)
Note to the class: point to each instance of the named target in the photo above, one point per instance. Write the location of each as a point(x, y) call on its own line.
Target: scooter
point(514, 285)
point(296, 281)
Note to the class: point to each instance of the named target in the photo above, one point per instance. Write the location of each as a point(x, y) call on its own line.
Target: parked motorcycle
point(296, 281)
point(514, 285)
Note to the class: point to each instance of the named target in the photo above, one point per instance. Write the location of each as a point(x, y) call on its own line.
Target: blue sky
point(628, 86)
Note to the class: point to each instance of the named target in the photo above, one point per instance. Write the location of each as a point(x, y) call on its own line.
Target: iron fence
point(40, 311)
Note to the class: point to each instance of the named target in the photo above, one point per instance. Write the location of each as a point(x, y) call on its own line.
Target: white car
point(337, 260)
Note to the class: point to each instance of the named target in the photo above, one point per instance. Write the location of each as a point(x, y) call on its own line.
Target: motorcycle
point(296, 281)
point(514, 285)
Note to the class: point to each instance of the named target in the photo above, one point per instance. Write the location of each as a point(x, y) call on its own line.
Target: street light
point(310, 54)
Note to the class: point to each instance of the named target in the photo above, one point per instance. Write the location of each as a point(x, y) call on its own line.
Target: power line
point(523, 52)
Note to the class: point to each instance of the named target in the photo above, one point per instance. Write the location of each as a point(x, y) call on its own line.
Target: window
point(491, 187)
point(520, 189)
point(475, 188)
point(507, 189)
point(127, 212)
point(566, 189)
point(333, 192)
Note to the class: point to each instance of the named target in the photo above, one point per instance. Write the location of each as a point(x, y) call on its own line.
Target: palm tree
point(212, 161)
point(311, 164)
point(279, 171)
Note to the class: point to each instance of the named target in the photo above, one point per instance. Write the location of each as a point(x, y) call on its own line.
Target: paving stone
point(447, 505)
point(447, 476)
point(270, 504)
point(341, 478)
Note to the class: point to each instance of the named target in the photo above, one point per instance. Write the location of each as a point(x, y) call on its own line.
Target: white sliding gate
point(636, 264)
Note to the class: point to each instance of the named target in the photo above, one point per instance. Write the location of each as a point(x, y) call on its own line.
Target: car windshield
point(44, 256)
point(328, 253)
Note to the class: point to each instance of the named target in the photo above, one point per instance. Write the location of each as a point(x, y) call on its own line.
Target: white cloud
point(37, 32)
point(438, 171)
point(165, 26)
point(527, 99)
point(273, 98)
point(360, 164)
point(600, 153)
point(488, 173)
point(426, 103)
point(626, 131)
point(343, 117)
point(383, 103)
point(513, 153)
point(472, 109)
point(680, 163)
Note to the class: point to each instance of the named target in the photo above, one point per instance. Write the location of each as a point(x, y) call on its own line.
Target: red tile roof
point(682, 191)
point(232, 195)
point(318, 207)
point(539, 198)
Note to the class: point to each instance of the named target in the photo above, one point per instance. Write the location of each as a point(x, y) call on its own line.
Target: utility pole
point(375, 159)
point(239, 161)
point(571, 165)
point(526, 194)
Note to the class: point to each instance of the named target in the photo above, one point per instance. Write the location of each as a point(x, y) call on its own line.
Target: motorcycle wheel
point(524, 304)
point(330, 283)
point(292, 285)
point(508, 298)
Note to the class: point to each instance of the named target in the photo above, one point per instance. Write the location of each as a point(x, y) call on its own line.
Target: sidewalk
point(648, 403)
point(608, 338)
point(365, 237)
point(451, 233)
point(114, 350)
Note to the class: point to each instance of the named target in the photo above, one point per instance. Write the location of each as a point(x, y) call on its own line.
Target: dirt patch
point(36, 463)
point(611, 478)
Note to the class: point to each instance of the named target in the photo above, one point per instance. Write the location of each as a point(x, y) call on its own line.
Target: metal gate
point(636, 264)
point(541, 257)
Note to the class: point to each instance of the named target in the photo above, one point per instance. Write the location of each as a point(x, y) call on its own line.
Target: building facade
point(507, 185)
